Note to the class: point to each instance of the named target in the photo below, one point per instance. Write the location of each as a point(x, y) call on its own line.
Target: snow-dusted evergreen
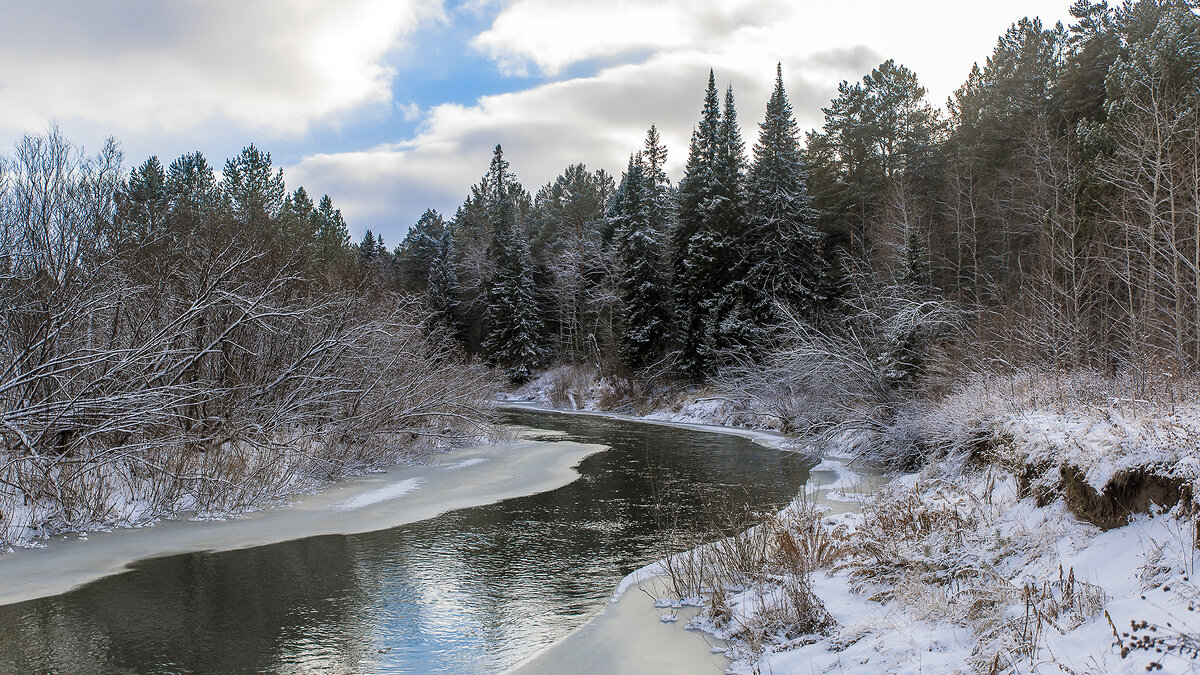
point(426, 259)
point(513, 326)
point(638, 221)
point(709, 208)
point(783, 256)
point(730, 325)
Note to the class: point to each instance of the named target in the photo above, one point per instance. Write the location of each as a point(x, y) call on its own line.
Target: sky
point(394, 106)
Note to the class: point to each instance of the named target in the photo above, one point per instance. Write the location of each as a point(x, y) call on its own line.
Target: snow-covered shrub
point(567, 386)
point(865, 374)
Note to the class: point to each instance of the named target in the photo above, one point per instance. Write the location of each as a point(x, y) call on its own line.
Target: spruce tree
point(333, 236)
point(511, 321)
point(366, 247)
point(783, 246)
point(729, 325)
point(416, 253)
point(442, 292)
point(298, 225)
point(426, 265)
point(712, 319)
point(690, 266)
point(640, 248)
point(662, 197)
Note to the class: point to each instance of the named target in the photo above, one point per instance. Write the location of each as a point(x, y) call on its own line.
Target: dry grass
point(755, 585)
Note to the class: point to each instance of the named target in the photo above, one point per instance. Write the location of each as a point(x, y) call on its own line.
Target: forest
point(1046, 225)
point(173, 340)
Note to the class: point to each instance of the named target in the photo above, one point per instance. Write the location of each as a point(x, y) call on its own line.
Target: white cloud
point(652, 76)
point(276, 66)
point(598, 120)
point(553, 34)
point(410, 111)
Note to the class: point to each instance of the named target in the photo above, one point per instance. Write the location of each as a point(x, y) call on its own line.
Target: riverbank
point(642, 628)
point(464, 477)
point(705, 467)
point(1051, 528)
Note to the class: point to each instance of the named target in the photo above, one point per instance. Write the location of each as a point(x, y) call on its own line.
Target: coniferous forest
point(1045, 222)
point(992, 302)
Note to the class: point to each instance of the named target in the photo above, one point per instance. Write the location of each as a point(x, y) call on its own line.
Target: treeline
point(172, 341)
point(1049, 218)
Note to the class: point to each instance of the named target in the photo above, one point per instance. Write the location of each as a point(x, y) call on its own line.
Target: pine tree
point(366, 247)
point(690, 266)
point(782, 245)
point(333, 236)
point(730, 327)
point(640, 248)
point(442, 292)
point(256, 192)
point(144, 206)
point(511, 321)
point(193, 202)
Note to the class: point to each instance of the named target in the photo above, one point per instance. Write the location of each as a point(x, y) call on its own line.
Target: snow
point(472, 461)
point(382, 494)
point(1109, 441)
point(988, 578)
point(404, 494)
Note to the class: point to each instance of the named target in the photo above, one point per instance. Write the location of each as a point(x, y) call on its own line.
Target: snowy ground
point(465, 477)
point(578, 389)
point(1000, 586)
point(983, 562)
point(953, 570)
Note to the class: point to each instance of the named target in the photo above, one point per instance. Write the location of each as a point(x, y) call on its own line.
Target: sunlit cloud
point(274, 66)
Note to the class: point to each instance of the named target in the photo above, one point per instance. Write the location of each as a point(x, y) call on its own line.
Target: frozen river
point(476, 589)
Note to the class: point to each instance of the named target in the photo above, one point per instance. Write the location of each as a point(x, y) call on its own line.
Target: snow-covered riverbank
point(469, 476)
point(1056, 533)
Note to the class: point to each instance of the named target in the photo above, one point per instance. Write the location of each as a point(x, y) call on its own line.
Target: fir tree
point(416, 253)
point(729, 324)
point(640, 249)
point(333, 236)
point(511, 321)
point(690, 267)
point(782, 251)
point(711, 202)
point(366, 247)
point(442, 292)
point(426, 264)
point(662, 198)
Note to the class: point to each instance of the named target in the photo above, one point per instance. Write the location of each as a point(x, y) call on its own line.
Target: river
point(476, 589)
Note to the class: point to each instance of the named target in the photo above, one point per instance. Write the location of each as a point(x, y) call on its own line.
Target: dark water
point(474, 590)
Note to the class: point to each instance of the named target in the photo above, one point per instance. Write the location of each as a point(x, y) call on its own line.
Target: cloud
point(598, 120)
point(648, 63)
point(555, 34)
point(276, 66)
point(410, 111)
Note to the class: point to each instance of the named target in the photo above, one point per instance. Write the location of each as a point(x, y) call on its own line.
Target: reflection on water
point(474, 590)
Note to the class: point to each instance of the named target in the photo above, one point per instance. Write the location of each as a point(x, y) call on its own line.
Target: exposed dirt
point(1126, 493)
